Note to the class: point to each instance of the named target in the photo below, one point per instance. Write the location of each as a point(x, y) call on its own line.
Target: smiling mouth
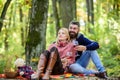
point(72, 33)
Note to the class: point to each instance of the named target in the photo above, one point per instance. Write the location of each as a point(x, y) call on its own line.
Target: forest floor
point(68, 77)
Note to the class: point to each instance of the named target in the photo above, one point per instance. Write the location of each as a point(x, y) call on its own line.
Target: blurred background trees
point(27, 27)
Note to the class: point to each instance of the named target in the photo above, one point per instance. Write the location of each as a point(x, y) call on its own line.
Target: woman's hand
point(80, 48)
point(64, 62)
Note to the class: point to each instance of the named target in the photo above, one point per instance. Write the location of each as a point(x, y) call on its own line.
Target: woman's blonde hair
point(66, 32)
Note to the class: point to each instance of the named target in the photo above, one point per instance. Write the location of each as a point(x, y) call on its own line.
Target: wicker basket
point(11, 74)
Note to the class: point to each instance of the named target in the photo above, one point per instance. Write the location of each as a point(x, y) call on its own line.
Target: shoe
point(41, 66)
point(102, 75)
point(51, 63)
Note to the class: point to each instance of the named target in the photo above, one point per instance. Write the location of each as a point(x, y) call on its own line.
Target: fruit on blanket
point(68, 75)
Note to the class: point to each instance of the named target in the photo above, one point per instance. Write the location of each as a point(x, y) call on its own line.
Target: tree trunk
point(22, 29)
point(4, 13)
point(74, 9)
point(90, 11)
point(90, 14)
point(116, 8)
point(36, 40)
point(67, 11)
point(55, 13)
point(6, 39)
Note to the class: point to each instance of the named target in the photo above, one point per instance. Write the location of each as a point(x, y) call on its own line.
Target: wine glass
point(75, 43)
point(69, 54)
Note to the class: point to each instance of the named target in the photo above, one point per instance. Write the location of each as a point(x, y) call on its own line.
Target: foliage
point(50, 31)
point(2, 65)
point(10, 37)
point(14, 47)
point(7, 62)
point(106, 32)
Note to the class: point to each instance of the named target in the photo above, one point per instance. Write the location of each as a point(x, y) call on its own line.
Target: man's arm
point(87, 44)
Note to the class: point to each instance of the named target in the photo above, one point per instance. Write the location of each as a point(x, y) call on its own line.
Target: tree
point(90, 11)
point(67, 11)
point(116, 7)
point(56, 15)
point(4, 13)
point(36, 40)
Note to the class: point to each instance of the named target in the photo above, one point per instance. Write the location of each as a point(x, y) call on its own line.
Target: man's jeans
point(80, 65)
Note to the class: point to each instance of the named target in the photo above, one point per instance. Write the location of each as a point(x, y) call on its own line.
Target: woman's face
point(62, 35)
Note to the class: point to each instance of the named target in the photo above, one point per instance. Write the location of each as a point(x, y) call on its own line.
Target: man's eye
point(75, 28)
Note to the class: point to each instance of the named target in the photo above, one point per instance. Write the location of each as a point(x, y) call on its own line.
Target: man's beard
point(73, 35)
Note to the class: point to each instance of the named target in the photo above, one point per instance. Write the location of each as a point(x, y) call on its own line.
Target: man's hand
point(80, 48)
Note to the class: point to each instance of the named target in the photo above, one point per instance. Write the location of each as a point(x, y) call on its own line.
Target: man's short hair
point(75, 23)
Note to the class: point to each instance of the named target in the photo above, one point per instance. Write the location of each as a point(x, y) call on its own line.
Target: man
point(86, 50)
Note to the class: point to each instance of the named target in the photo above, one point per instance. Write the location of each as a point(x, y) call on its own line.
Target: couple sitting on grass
point(66, 56)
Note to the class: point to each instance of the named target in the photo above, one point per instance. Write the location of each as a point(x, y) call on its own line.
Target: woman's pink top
point(67, 51)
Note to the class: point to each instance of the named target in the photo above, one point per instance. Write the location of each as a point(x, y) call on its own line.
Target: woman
point(59, 56)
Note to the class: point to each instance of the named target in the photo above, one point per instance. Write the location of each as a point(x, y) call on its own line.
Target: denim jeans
point(80, 65)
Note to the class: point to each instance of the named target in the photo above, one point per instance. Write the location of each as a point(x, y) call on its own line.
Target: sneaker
point(102, 75)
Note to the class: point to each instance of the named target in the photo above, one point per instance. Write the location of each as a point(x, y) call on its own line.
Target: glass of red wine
point(75, 43)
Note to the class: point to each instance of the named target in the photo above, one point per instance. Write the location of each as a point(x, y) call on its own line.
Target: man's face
point(73, 30)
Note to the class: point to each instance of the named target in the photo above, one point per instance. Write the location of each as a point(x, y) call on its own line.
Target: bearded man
point(86, 49)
